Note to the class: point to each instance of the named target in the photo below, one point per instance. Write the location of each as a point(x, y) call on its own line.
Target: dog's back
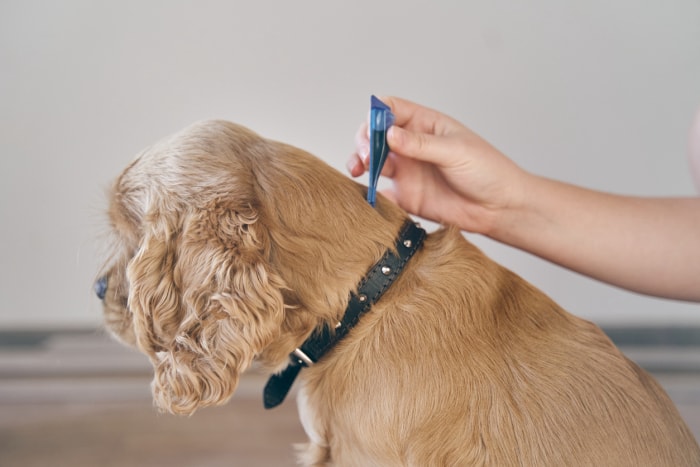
point(232, 248)
point(464, 363)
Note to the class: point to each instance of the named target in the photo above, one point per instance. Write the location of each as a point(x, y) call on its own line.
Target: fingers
point(358, 162)
point(421, 146)
point(404, 111)
point(362, 141)
point(418, 118)
point(355, 165)
point(417, 133)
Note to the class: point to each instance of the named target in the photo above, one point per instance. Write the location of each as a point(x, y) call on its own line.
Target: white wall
point(598, 93)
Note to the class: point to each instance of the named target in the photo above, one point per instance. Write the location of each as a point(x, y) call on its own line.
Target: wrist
point(518, 212)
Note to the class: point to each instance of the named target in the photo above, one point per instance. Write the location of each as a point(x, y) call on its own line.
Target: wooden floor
point(82, 400)
point(79, 400)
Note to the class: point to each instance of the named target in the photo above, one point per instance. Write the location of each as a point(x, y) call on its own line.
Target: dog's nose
point(101, 287)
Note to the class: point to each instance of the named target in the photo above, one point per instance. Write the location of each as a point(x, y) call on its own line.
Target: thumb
point(421, 146)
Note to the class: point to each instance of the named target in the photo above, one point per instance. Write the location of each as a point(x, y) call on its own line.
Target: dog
point(232, 249)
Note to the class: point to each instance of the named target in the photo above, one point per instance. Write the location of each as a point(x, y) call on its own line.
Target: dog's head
point(227, 251)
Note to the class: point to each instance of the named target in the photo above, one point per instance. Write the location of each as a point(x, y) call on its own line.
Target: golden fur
point(233, 248)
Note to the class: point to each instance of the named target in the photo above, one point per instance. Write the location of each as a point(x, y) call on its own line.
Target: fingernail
point(354, 166)
point(351, 164)
point(363, 152)
point(391, 135)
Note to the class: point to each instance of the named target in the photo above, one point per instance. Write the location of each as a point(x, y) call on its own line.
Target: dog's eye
point(101, 287)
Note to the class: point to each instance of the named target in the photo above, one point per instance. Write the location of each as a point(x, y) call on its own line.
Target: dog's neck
point(377, 280)
point(323, 239)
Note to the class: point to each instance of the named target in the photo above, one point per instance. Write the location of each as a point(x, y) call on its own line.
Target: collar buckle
point(377, 280)
point(303, 358)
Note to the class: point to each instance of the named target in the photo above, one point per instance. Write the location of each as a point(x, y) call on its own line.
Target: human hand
point(442, 171)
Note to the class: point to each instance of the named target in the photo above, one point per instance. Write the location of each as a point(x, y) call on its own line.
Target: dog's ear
point(205, 302)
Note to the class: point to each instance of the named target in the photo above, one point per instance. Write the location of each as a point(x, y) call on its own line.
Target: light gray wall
point(598, 93)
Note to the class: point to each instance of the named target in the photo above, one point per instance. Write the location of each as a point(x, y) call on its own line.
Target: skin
point(443, 171)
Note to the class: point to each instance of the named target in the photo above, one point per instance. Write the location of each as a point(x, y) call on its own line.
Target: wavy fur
point(232, 248)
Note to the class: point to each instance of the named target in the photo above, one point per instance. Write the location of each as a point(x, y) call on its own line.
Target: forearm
point(651, 246)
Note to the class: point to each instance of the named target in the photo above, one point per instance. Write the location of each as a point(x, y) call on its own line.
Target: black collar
point(373, 285)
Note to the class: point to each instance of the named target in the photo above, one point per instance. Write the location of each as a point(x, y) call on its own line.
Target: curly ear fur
point(204, 301)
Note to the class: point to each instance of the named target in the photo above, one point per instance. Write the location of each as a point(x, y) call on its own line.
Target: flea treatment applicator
point(380, 120)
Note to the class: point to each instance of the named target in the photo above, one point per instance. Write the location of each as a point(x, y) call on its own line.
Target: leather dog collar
point(371, 288)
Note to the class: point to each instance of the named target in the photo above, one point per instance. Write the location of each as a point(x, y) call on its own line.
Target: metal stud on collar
point(407, 243)
point(374, 284)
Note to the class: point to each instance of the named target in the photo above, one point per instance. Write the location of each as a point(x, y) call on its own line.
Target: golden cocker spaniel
point(232, 248)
